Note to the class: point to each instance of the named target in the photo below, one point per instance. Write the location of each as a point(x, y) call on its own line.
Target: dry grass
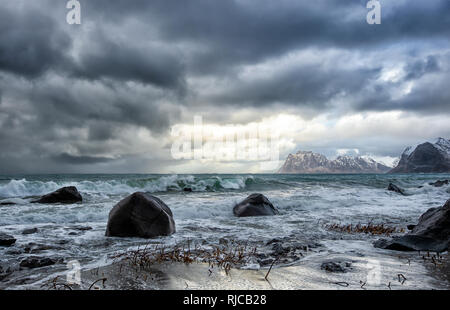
point(373, 229)
point(222, 256)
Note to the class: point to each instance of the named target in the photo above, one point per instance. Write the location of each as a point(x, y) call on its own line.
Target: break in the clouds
point(103, 96)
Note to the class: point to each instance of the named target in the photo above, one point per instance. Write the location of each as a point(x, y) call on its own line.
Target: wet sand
point(395, 271)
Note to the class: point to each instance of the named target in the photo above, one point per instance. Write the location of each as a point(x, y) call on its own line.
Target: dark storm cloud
point(106, 58)
point(312, 86)
point(421, 67)
point(80, 160)
point(232, 32)
point(69, 92)
point(30, 42)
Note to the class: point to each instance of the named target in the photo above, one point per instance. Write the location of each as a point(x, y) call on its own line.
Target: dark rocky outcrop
point(36, 262)
point(140, 215)
point(394, 188)
point(432, 233)
point(439, 183)
point(425, 158)
point(6, 240)
point(254, 205)
point(68, 194)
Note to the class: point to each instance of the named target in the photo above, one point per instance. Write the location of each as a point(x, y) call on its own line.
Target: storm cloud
point(103, 96)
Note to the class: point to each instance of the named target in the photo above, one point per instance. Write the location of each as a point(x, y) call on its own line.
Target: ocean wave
point(25, 188)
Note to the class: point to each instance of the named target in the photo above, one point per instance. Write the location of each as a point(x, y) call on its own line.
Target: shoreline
point(396, 271)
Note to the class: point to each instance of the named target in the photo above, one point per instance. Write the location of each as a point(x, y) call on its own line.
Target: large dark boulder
point(394, 188)
point(140, 215)
point(432, 233)
point(68, 194)
point(254, 205)
point(6, 240)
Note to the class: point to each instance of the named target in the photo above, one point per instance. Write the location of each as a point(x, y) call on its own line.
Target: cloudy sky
point(105, 96)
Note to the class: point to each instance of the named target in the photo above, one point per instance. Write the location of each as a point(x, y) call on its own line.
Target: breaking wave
point(167, 183)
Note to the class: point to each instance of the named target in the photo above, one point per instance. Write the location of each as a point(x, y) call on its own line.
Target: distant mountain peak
point(310, 162)
point(427, 157)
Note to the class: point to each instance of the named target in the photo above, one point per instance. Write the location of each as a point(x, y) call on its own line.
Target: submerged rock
point(6, 240)
point(254, 205)
point(36, 262)
point(140, 215)
point(439, 183)
point(7, 203)
point(68, 194)
point(432, 233)
point(394, 188)
point(30, 231)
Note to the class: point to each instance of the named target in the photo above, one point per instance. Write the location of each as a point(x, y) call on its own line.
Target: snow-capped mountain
point(309, 162)
point(427, 157)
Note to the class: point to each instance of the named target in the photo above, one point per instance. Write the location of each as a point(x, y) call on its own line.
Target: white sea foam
point(24, 187)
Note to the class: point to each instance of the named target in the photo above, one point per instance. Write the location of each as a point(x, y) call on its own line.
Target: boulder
point(36, 262)
point(140, 215)
point(68, 194)
point(439, 183)
point(254, 205)
point(432, 233)
point(394, 188)
point(6, 240)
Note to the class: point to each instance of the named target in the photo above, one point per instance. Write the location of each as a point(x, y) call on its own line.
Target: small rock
point(7, 203)
point(33, 248)
point(439, 183)
point(395, 188)
point(30, 231)
point(36, 262)
point(6, 240)
point(278, 249)
point(336, 266)
point(187, 189)
point(266, 262)
point(81, 228)
point(273, 241)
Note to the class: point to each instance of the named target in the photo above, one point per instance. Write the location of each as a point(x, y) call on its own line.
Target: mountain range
point(427, 157)
point(310, 162)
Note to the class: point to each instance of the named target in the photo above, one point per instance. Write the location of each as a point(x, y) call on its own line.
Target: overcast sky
point(103, 96)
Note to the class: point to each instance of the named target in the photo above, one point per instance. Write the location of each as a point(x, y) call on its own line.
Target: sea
point(307, 203)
